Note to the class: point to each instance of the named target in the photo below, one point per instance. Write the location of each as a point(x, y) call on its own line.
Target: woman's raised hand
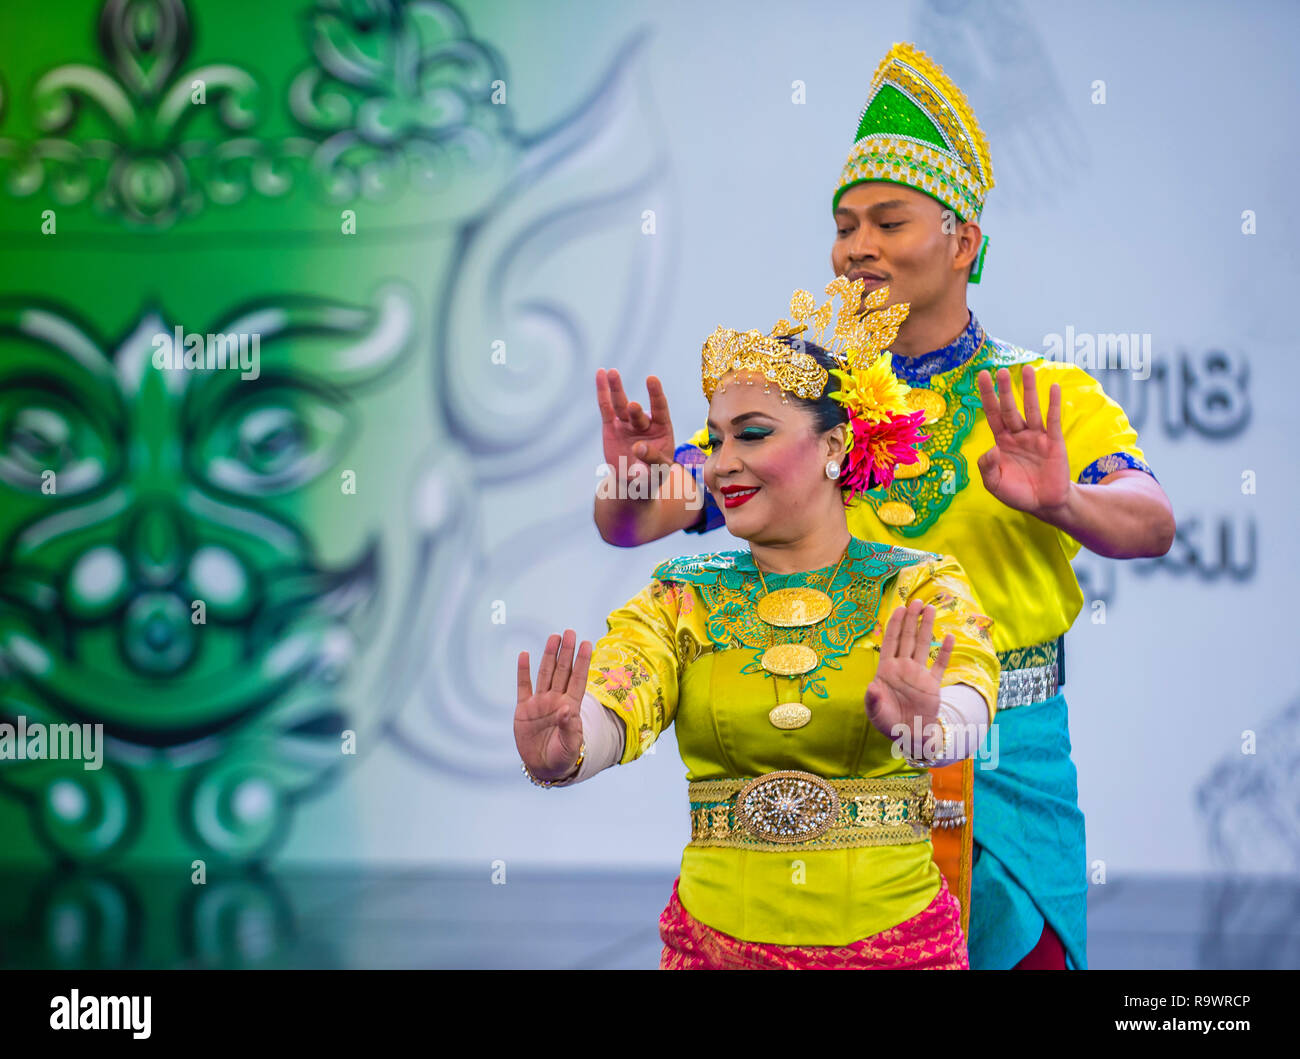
point(906, 687)
point(548, 721)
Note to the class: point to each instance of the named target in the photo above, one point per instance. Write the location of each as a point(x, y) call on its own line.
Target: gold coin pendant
point(934, 406)
point(789, 659)
point(896, 513)
point(913, 470)
point(789, 715)
point(792, 608)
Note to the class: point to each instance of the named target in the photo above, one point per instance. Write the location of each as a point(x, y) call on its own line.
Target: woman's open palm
point(906, 686)
point(548, 721)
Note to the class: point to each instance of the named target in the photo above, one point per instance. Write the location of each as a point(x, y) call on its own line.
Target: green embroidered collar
point(930, 494)
point(730, 587)
point(734, 568)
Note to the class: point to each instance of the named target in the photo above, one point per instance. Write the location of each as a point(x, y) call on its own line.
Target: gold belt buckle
point(787, 806)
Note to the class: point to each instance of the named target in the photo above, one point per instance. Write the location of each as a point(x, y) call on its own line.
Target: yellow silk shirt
point(1019, 565)
point(685, 650)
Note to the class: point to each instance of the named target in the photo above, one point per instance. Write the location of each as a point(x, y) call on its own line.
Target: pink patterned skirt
point(931, 940)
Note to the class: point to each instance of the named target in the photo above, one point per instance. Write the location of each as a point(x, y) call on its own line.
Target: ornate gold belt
point(791, 809)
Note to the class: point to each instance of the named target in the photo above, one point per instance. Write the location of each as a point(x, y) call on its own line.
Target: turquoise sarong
point(1030, 860)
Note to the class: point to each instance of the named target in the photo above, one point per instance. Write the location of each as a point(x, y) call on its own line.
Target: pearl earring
point(832, 470)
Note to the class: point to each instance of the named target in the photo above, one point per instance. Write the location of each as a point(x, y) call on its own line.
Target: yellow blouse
point(685, 650)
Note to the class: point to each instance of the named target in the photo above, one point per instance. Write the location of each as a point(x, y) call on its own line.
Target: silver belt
point(1029, 674)
point(1021, 687)
point(949, 812)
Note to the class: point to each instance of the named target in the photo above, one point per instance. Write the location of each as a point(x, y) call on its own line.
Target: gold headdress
point(883, 426)
point(862, 333)
point(918, 129)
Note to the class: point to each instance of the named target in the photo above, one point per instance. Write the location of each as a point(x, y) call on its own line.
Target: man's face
point(889, 234)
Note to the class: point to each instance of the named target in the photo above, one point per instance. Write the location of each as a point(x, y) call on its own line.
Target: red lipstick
point(735, 495)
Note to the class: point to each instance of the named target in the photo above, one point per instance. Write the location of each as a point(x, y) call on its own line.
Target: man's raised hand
point(1028, 468)
point(642, 440)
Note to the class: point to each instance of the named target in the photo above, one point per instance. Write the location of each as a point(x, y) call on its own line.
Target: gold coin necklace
point(929, 402)
point(788, 715)
point(935, 407)
point(792, 608)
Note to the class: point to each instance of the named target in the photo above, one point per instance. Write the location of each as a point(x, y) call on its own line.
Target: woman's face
point(767, 463)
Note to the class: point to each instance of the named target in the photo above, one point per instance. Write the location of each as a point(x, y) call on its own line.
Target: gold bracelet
point(582, 752)
point(921, 761)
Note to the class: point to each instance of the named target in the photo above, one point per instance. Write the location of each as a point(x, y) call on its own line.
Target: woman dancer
point(807, 728)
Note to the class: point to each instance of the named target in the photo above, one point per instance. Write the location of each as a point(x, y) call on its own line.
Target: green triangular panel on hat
point(919, 130)
point(891, 112)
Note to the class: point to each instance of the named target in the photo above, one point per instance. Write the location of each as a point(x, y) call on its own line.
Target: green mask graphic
point(255, 264)
point(197, 548)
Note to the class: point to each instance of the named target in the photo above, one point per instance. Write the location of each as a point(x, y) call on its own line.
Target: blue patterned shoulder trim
point(1109, 464)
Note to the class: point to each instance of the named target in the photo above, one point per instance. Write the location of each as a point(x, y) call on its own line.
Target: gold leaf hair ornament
point(883, 427)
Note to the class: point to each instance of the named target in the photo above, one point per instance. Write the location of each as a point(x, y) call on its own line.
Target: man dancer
point(906, 211)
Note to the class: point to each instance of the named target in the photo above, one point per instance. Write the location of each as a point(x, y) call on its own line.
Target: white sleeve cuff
point(605, 735)
point(967, 715)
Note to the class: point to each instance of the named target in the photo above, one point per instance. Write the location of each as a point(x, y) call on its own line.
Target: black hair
point(827, 413)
